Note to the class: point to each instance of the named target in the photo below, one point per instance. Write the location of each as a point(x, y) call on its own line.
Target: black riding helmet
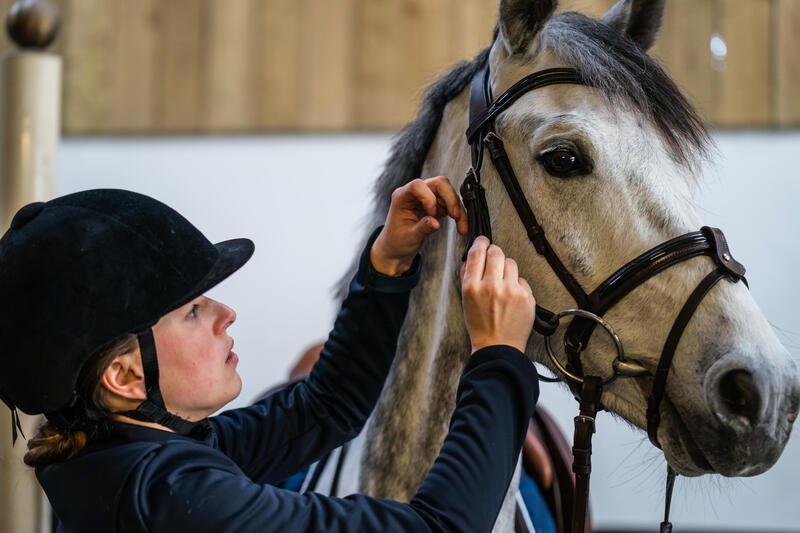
point(84, 269)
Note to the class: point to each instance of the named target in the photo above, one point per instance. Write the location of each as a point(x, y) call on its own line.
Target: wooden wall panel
point(226, 74)
point(786, 28)
point(428, 28)
point(328, 64)
point(742, 89)
point(383, 97)
point(279, 73)
point(473, 24)
point(683, 50)
point(402, 44)
point(136, 56)
point(592, 8)
point(88, 34)
point(5, 42)
point(166, 66)
point(178, 104)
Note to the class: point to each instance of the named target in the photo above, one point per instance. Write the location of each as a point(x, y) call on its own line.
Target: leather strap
point(147, 348)
point(473, 196)
point(534, 230)
point(537, 80)
point(667, 354)
point(623, 281)
point(480, 96)
point(647, 265)
point(153, 409)
point(666, 525)
point(591, 390)
point(147, 411)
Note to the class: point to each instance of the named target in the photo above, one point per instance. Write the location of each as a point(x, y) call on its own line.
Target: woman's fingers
point(426, 226)
point(525, 284)
point(495, 263)
point(476, 260)
point(449, 200)
point(499, 305)
point(425, 197)
point(511, 271)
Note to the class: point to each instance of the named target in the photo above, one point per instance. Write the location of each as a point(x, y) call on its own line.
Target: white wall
point(301, 199)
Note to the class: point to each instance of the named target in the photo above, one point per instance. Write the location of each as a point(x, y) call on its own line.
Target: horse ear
point(640, 19)
point(522, 20)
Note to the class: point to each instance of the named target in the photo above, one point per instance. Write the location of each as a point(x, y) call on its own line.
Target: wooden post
point(30, 108)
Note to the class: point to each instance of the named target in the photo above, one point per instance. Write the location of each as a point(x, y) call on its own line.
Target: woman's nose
point(226, 317)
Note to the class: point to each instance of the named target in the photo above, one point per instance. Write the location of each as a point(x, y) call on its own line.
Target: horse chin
point(681, 450)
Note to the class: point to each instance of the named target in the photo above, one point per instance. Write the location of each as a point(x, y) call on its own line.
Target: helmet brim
point(233, 254)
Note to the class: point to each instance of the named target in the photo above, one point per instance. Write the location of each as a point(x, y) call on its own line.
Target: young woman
point(106, 331)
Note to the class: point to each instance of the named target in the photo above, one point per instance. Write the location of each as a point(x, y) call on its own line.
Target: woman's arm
point(294, 427)
point(463, 491)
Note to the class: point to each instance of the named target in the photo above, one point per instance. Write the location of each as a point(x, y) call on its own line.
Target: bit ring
point(606, 326)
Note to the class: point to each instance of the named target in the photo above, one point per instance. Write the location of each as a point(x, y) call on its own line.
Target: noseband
point(483, 111)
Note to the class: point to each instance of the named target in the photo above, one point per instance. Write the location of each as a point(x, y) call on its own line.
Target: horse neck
point(410, 421)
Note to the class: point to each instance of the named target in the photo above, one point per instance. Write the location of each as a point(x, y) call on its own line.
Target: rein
point(711, 242)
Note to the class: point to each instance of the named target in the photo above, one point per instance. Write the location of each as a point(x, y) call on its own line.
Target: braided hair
point(63, 435)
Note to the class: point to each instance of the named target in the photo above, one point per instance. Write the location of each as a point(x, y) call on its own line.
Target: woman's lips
point(232, 358)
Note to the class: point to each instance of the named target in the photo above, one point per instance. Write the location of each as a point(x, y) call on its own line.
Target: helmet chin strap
point(153, 409)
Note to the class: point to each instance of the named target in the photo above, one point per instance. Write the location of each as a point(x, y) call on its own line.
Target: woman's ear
point(124, 377)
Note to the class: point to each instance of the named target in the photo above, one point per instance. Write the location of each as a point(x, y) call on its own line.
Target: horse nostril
point(740, 396)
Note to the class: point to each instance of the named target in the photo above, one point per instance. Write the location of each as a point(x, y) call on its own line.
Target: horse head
point(610, 168)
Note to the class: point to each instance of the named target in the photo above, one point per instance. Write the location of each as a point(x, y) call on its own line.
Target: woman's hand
point(499, 307)
point(414, 214)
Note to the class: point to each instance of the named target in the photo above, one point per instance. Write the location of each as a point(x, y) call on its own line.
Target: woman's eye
point(563, 163)
point(193, 312)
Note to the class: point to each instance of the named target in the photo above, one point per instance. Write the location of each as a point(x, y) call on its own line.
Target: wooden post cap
point(33, 23)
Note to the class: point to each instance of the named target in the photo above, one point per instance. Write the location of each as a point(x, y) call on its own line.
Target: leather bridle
point(483, 111)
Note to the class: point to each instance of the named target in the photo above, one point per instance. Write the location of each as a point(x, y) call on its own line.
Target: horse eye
point(562, 163)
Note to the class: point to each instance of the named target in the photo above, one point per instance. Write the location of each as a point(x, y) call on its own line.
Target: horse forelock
point(627, 76)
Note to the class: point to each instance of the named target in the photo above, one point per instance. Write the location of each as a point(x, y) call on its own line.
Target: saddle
point(546, 456)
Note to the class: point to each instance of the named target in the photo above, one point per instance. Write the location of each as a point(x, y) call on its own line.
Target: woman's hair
point(53, 444)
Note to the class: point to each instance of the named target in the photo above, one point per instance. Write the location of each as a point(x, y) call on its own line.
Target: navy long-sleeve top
point(142, 479)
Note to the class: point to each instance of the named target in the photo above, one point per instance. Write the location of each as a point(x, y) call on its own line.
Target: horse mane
point(608, 60)
point(410, 148)
point(411, 145)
